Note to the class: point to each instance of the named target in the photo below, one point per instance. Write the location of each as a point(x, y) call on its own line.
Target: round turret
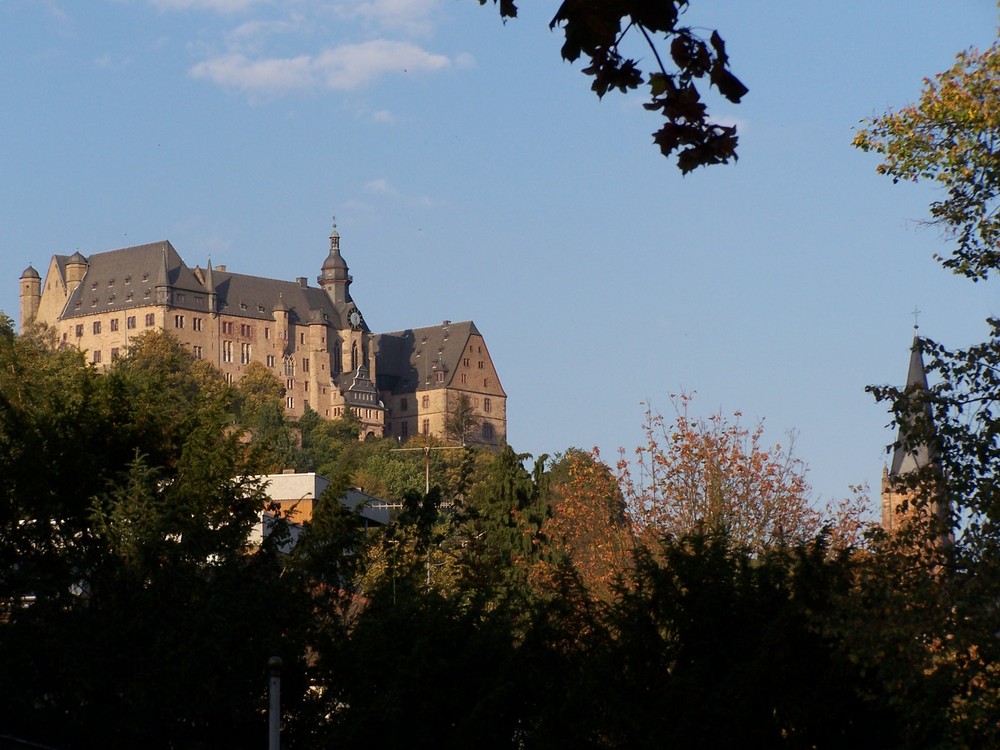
point(30, 273)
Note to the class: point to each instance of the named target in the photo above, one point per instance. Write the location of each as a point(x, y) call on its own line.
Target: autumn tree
point(599, 32)
point(937, 611)
point(715, 474)
point(951, 137)
point(588, 523)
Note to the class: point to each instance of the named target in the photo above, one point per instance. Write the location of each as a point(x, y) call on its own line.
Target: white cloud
point(381, 186)
point(343, 68)
point(352, 65)
point(383, 115)
point(220, 6)
point(267, 76)
point(413, 16)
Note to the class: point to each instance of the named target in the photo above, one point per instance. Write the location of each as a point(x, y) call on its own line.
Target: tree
point(936, 603)
point(697, 475)
point(126, 504)
point(261, 412)
point(588, 524)
point(951, 136)
point(461, 421)
point(598, 31)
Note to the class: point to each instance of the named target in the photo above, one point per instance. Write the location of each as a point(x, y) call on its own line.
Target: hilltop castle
point(313, 339)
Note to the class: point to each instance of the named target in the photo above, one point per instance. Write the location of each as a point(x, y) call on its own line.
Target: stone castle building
point(314, 339)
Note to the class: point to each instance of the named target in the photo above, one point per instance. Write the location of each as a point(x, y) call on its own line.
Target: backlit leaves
point(597, 29)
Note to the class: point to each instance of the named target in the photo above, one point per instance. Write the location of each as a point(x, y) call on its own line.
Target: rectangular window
point(487, 405)
point(227, 351)
point(267, 333)
point(464, 379)
point(305, 386)
point(150, 319)
point(229, 378)
point(290, 402)
point(465, 362)
point(404, 429)
point(197, 352)
point(114, 354)
point(178, 321)
point(97, 357)
point(196, 324)
point(244, 354)
point(305, 364)
point(302, 338)
point(439, 376)
point(427, 427)
point(270, 360)
point(79, 330)
point(404, 404)
point(97, 326)
point(130, 322)
point(425, 402)
point(480, 364)
point(114, 324)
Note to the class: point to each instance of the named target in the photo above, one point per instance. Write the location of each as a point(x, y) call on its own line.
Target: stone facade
point(313, 339)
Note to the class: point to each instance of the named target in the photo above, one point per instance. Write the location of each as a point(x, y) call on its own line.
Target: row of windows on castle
point(425, 403)
point(228, 328)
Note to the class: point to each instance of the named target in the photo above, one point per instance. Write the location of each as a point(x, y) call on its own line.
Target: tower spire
point(334, 276)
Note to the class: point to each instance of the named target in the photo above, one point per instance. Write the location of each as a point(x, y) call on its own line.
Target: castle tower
point(908, 457)
point(31, 296)
point(76, 269)
point(334, 278)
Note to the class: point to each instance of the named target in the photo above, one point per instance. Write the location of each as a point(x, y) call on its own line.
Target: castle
point(313, 339)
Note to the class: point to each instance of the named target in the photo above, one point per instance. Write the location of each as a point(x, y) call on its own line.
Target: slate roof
point(907, 460)
point(408, 359)
point(128, 278)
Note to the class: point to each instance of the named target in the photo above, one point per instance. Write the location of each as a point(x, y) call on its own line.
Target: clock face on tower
point(354, 318)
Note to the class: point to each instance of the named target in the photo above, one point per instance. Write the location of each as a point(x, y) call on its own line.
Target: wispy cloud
point(219, 6)
point(412, 16)
point(343, 68)
point(381, 186)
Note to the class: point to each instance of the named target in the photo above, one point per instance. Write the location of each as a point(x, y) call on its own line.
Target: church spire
point(908, 457)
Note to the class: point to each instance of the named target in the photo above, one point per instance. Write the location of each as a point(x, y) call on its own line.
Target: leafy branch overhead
point(596, 30)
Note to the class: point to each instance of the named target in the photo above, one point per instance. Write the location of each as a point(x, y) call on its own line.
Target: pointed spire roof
point(910, 458)
point(77, 259)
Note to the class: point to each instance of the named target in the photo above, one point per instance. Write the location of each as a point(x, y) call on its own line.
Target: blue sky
point(475, 176)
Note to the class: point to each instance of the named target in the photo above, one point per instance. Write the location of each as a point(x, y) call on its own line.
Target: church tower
point(909, 458)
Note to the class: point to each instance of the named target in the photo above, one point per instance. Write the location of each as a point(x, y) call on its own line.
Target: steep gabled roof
point(407, 360)
point(906, 459)
point(126, 278)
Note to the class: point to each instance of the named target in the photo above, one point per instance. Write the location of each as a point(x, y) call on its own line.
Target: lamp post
point(274, 711)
